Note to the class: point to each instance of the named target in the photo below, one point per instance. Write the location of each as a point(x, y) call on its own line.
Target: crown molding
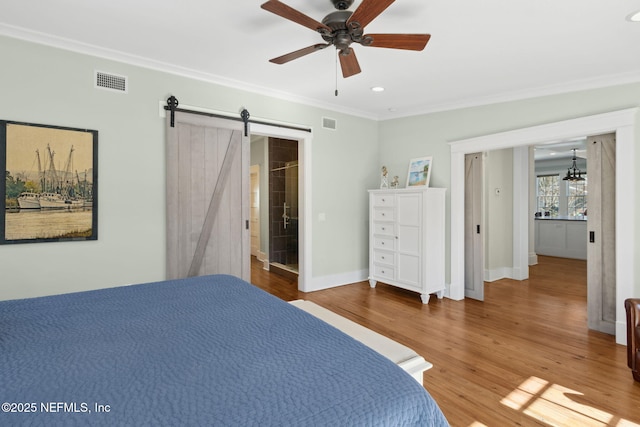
point(143, 62)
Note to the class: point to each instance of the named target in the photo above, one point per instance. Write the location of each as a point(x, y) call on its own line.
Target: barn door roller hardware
point(172, 106)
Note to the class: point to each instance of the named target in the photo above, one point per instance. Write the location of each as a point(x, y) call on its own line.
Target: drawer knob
point(382, 271)
point(383, 214)
point(383, 200)
point(382, 243)
point(383, 257)
point(383, 228)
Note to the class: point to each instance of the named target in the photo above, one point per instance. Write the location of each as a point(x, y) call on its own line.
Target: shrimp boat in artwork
point(29, 200)
point(58, 201)
point(60, 189)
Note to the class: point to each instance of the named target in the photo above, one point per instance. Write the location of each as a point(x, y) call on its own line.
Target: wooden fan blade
point(348, 62)
point(368, 11)
point(287, 12)
point(298, 53)
point(398, 41)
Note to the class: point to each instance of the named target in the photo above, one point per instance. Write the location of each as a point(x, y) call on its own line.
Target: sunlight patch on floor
point(556, 405)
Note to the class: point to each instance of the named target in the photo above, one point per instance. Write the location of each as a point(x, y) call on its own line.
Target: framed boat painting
point(419, 172)
point(50, 193)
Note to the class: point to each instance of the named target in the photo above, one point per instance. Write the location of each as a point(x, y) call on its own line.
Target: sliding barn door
point(473, 243)
point(207, 197)
point(601, 249)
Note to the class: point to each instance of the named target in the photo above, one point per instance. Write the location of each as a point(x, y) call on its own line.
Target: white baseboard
point(335, 280)
point(497, 274)
point(455, 291)
point(621, 332)
point(533, 258)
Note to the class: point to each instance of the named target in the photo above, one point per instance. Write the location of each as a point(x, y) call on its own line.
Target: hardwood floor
point(523, 357)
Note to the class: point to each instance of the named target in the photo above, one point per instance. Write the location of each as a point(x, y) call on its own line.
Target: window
point(577, 197)
point(568, 199)
point(548, 194)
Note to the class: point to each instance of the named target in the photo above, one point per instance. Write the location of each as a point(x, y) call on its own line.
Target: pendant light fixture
point(573, 173)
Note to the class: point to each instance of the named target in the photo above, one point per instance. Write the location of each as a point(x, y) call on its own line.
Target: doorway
point(623, 124)
point(283, 206)
point(301, 140)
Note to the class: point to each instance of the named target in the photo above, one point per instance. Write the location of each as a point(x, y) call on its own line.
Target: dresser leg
point(425, 298)
point(440, 294)
point(373, 283)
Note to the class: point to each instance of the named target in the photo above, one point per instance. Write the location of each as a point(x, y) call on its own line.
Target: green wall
point(429, 134)
point(45, 85)
point(41, 84)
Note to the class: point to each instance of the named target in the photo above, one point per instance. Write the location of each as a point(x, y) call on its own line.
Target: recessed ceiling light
point(377, 89)
point(634, 17)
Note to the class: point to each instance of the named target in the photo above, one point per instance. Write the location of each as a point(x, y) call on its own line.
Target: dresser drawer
point(383, 272)
point(383, 200)
point(384, 228)
point(382, 242)
point(383, 214)
point(384, 257)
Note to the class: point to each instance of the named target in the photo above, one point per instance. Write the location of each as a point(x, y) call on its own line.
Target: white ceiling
point(562, 150)
point(480, 51)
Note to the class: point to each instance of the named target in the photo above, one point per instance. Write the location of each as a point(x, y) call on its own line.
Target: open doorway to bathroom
point(283, 206)
point(275, 206)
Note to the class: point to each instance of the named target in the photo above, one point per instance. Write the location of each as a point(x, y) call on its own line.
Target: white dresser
point(406, 239)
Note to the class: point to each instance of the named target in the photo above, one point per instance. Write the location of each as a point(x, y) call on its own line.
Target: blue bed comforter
point(210, 350)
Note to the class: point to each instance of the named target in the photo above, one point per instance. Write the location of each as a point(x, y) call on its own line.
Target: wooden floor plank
point(523, 357)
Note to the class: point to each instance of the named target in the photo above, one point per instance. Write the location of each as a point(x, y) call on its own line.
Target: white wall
point(44, 85)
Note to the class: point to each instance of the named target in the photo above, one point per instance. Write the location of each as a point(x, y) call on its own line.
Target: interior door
point(473, 242)
point(601, 249)
point(207, 197)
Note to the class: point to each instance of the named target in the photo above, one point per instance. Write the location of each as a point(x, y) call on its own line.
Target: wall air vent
point(111, 82)
point(328, 123)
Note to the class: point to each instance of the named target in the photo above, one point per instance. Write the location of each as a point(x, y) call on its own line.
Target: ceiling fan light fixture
point(341, 28)
point(342, 4)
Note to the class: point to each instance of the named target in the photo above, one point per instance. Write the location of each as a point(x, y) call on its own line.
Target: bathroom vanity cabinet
point(406, 239)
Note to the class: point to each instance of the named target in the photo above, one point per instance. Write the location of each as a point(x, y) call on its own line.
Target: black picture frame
point(50, 191)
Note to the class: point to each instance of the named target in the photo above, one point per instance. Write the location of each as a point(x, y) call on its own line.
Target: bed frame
point(403, 356)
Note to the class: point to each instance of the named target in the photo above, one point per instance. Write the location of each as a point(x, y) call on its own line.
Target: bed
point(212, 350)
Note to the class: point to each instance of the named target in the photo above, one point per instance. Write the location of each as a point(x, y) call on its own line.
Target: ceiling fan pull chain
point(336, 93)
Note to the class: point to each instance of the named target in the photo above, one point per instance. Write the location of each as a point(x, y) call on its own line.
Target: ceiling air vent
point(112, 82)
point(328, 123)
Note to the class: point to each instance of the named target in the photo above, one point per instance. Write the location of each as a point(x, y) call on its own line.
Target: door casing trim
point(623, 123)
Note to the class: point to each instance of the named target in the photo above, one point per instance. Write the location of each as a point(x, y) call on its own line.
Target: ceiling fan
point(342, 28)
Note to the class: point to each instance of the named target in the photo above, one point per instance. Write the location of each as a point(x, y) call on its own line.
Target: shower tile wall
point(283, 244)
